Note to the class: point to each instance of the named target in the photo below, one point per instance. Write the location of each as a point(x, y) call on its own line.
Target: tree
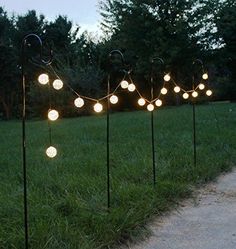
point(27, 24)
point(225, 51)
point(177, 31)
point(226, 24)
point(8, 66)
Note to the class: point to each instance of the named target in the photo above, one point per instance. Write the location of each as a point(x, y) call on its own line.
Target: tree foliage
point(226, 24)
point(8, 65)
point(177, 31)
point(75, 57)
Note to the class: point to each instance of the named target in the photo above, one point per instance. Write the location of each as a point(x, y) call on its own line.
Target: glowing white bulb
point(79, 102)
point(164, 91)
point(209, 93)
point(158, 103)
point(57, 84)
point(185, 95)
point(51, 152)
point(167, 77)
point(131, 87)
point(201, 86)
point(150, 107)
point(195, 94)
point(141, 101)
point(114, 99)
point(43, 79)
point(124, 84)
point(98, 107)
point(205, 76)
point(177, 89)
point(53, 115)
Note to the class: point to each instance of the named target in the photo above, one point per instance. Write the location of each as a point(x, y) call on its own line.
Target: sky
point(85, 13)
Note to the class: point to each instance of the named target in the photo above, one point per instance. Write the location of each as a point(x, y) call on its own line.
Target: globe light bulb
point(114, 99)
point(43, 79)
point(79, 102)
point(150, 107)
point(195, 94)
point(209, 93)
point(57, 84)
point(158, 103)
point(53, 115)
point(177, 89)
point(51, 152)
point(164, 91)
point(205, 76)
point(131, 87)
point(201, 86)
point(98, 107)
point(141, 101)
point(124, 84)
point(167, 77)
point(185, 95)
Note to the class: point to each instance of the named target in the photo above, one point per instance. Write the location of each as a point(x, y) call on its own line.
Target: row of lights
point(150, 106)
point(201, 86)
point(79, 102)
point(57, 84)
point(186, 95)
point(142, 102)
point(53, 114)
point(177, 89)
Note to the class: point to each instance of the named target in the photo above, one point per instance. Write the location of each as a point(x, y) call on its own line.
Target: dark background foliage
point(177, 31)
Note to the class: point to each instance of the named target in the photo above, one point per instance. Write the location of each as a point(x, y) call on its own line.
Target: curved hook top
point(48, 62)
point(119, 53)
point(199, 61)
point(153, 59)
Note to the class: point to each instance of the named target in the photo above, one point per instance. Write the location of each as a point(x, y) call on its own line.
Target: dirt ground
point(206, 222)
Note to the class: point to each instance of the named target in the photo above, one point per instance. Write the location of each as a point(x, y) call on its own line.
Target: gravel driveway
point(208, 222)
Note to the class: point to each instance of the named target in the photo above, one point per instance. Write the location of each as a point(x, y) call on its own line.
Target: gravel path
point(208, 222)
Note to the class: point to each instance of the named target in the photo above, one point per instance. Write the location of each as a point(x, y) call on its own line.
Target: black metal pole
point(153, 150)
point(194, 116)
point(108, 124)
point(152, 120)
point(108, 145)
point(24, 160)
point(25, 196)
point(194, 136)
point(153, 136)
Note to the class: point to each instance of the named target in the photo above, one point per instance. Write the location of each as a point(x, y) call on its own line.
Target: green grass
point(67, 195)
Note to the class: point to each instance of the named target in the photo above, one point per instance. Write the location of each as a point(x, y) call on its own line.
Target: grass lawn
point(67, 195)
